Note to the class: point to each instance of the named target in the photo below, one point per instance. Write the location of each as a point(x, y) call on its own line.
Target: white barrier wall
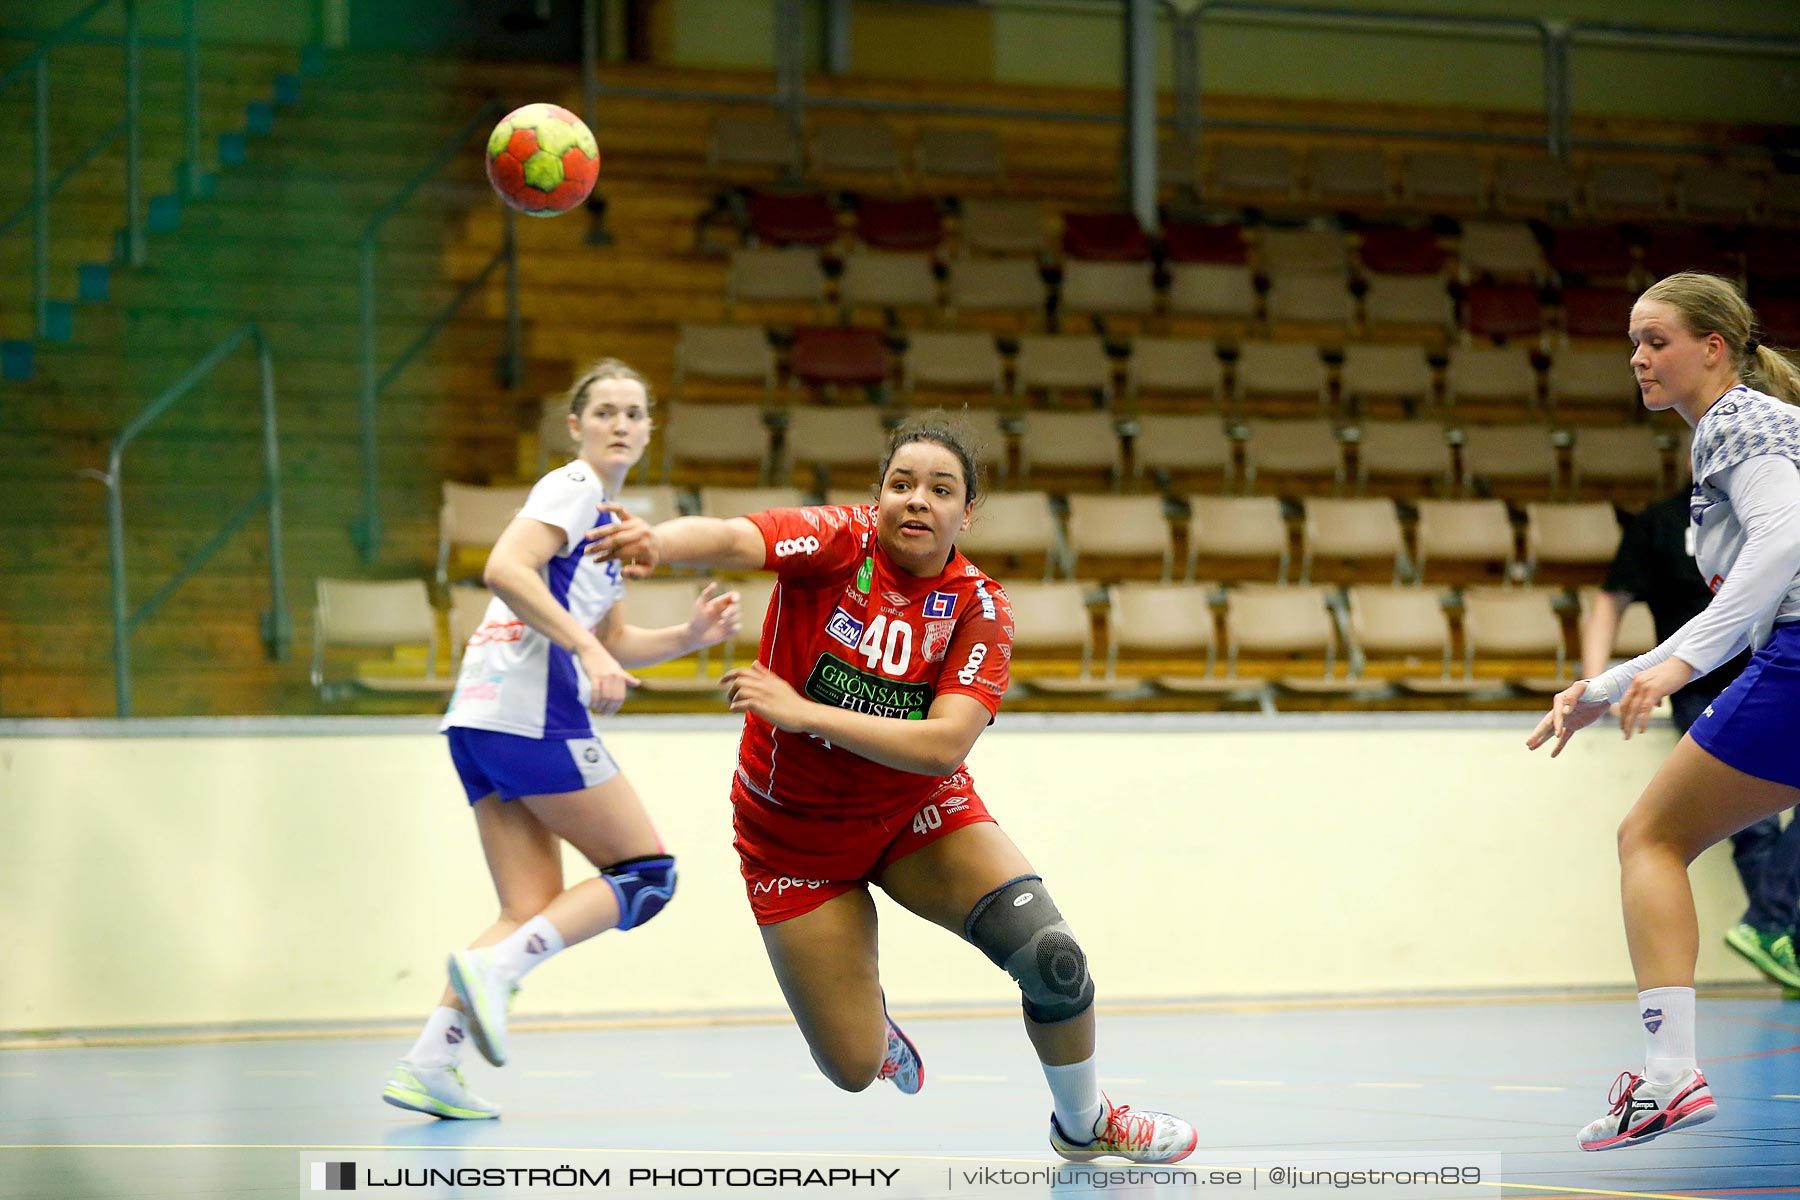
point(151, 881)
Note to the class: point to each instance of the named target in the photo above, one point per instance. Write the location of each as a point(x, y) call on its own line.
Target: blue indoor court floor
point(1502, 1085)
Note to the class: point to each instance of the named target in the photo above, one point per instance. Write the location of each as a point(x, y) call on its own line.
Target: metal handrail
point(366, 531)
point(277, 632)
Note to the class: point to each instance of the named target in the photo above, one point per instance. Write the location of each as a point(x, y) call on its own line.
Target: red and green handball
point(542, 159)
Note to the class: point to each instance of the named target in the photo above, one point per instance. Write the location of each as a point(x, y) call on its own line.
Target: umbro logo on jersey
point(896, 599)
point(940, 604)
point(799, 545)
point(844, 628)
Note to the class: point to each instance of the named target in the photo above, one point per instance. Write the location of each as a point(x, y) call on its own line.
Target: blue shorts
point(517, 766)
point(1754, 725)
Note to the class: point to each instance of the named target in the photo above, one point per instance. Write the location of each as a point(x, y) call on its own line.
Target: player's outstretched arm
point(935, 746)
point(734, 544)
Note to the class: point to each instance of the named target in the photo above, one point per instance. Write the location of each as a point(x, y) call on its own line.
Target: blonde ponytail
point(1771, 371)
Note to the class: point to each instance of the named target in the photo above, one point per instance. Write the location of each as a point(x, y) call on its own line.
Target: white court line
point(1783, 1096)
point(559, 1074)
point(18, 1074)
point(281, 1074)
point(1249, 1083)
point(1525, 1087)
point(696, 1074)
point(1388, 1085)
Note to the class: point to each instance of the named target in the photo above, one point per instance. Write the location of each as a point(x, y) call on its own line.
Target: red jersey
point(849, 628)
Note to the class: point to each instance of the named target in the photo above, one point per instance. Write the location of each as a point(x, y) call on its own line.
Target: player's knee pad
point(643, 886)
point(1020, 930)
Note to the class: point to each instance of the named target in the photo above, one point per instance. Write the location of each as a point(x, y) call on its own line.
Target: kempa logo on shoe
point(334, 1177)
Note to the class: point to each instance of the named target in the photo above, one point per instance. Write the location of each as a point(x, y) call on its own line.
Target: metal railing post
point(134, 227)
point(590, 60)
point(40, 193)
point(277, 627)
point(367, 532)
point(115, 519)
point(190, 45)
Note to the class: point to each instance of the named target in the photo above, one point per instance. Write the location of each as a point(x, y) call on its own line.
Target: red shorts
point(794, 862)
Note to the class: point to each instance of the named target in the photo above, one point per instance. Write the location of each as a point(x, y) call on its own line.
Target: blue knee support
point(643, 886)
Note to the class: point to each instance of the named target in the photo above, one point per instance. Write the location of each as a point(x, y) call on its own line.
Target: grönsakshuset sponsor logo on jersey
point(835, 682)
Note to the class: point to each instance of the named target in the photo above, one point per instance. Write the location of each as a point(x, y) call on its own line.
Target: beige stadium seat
point(1508, 457)
point(1491, 375)
point(1184, 368)
point(659, 603)
point(708, 438)
point(470, 520)
point(1053, 637)
point(1303, 252)
point(1624, 454)
point(1714, 194)
point(1532, 187)
point(1065, 442)
point(1153, 623)
point(1212, 290)
point(1443, 181)
point(1396, 629)
point(755, 594)
point(1119, 537)
point(392, 615)
point(974, 153)
point(1013, 535)
point(734, 352)
point(1278, 450)
point(788, 274)
point(991, 226)
point(959, 361)
point(1352, 176)
point(1315, 304)
point(856, 147)
point(1571, 535)
point(1624, 189)
point(879, 279)
point(852, 495)
point(1285, 370)
point(1185, 449)
point(1416, 307)
point(1055, 363)
point(1349, 539)
point(1109, 288)
point(1385, 373)
point(1273, 626)
point(727, 502)
point(1596, 380)
point(1266, 170)
point(1464, 539)
point(654, 503)
point(1636, 632)
point(1502, 626)
point(996, 284)
point(850, 441)
point(1240, 530)
point(1501, 250)
point(468, 608)
point(763, 143)
point(1402, 450)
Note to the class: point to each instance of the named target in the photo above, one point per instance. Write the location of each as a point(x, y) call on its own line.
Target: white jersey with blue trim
point(514, 679)
point(1741, 425)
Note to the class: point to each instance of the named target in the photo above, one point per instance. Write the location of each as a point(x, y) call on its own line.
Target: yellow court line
point(1388, 1085)
point(1784, 1096)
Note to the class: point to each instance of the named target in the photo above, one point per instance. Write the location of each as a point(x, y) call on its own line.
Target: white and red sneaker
point(1642, 1110)
point(902, 1066)
point(1143, 1136)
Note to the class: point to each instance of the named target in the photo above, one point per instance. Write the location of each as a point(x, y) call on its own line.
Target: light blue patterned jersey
point(1741, 425)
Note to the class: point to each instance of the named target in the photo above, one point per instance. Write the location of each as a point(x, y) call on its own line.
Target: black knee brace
point(1020, 930)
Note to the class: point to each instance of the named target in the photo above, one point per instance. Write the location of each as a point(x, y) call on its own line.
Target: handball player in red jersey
point(884, 655)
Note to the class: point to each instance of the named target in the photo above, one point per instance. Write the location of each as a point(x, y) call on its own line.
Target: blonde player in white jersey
point(552, 654)
point(1696, 352)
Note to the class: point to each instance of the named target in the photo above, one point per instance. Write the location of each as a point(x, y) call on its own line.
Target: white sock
point(440, 1042)
point(1668, 1017)
point(1075, 1093)
point(528, 945)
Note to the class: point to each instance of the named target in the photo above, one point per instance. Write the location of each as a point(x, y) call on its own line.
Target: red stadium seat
point(793, 219)
point(1596, 312)
point(1402, 251)
point(912, 223)
point(1589, 252)
point(1780, 320)
point(1111, 236)
point(1773, 253)
point(1199, 242)
point(1503, 310)
point(1685, 248)
point(831, 355)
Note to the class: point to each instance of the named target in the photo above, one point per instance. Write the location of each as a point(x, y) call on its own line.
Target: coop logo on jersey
point(937, 639)
point(865, 576)
point(844, 628)
point(841, 685)
point(799, 545)
point(940, 604)
point(977, 656)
